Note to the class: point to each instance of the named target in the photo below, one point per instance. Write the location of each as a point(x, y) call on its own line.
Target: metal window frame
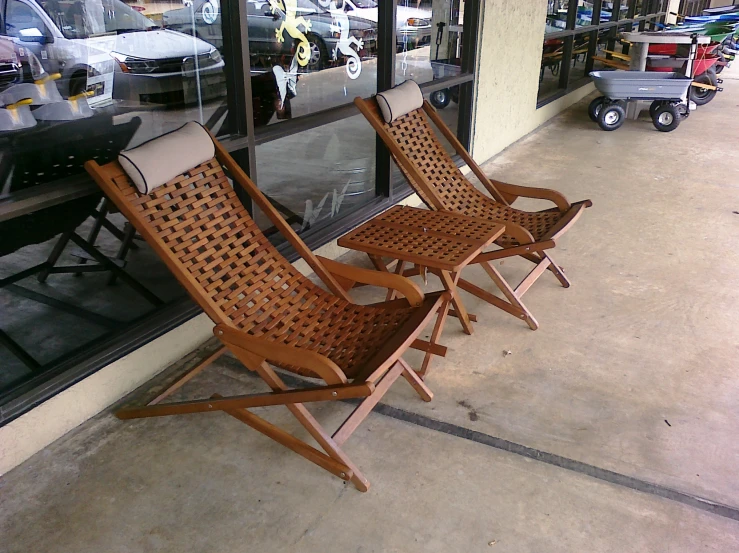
point(384, 186)
point(613, 26)
point(385, 74)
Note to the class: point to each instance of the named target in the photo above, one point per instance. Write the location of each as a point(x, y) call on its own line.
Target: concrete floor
point(632, 371)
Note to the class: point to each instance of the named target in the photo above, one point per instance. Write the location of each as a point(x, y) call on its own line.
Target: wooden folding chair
point(438, 181)
point(267, 313)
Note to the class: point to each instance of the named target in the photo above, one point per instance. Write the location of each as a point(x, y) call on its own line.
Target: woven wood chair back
point(442, 185)
point(216, 249)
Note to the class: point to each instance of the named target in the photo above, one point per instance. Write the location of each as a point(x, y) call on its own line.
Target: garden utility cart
point(667, 91)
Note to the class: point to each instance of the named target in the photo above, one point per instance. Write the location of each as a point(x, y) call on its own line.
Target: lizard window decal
point(291, 24)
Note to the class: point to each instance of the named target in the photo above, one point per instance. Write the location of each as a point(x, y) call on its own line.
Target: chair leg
point(514, 305)
point(291, 442)
point(56, 252)
point(435, 334)
point(512, 295)
point(189, 375)
point(416, 381)
point(308, 422)
point(556, 269)
point(450, 284)
point(334, 460)
point(365, 408)
point(129, 234)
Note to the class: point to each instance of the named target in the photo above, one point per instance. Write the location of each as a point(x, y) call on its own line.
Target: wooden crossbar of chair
point(267, 314)
point(433, 174)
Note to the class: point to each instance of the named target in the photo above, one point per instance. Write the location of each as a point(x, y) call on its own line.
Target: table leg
point(450, 283)
point(379, 264)
point(434, 339)
point(391, 294)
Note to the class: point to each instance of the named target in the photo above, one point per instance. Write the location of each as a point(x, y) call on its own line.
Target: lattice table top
point(436, 239)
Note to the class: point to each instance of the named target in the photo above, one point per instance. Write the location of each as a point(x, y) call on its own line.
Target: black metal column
point(615, 14)
point(385, 80)
point(564, 67)
point(236, 46)
point(593, 41)
point(473, 25)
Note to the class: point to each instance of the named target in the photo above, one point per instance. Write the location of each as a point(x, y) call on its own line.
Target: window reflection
point(80, 80)
point(320, 174)
point(317, 54)
point(596, 49)
point(429, 39)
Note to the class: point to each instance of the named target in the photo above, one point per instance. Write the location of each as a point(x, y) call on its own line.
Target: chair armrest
point(352, 274)
point(530, 192)
point(277, 352)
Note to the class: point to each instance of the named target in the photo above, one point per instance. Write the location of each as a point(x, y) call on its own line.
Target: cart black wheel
point(441, 98)
point(722, 59)
point(701, 96)
point(611, 117)
point(654, 106)
point(666, 118)
point(683, 110)
point(594, 108)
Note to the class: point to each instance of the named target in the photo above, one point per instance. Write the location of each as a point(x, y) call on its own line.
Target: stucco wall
point(508, 76)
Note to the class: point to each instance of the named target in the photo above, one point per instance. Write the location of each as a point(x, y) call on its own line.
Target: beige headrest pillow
point(399, 100)
point(161, 159)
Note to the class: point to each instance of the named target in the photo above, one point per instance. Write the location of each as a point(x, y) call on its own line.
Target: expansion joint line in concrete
point(605, 475)
point(612, 477)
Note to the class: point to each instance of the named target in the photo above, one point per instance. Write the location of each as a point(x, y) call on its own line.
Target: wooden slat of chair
point(267, 313)
point(432, 173)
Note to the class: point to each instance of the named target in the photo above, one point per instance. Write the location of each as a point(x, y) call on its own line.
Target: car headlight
point(417, 22)
point(215, 55)
point(130, 64)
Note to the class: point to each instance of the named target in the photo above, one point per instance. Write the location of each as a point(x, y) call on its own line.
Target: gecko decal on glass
point(340, 24)
point(286, 80)
point(210, 11)
point(290, 24)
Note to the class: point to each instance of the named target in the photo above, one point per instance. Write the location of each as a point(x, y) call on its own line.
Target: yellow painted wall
point(508, 76)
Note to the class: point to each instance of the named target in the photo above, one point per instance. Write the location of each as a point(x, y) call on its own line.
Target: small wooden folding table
point(439, 242)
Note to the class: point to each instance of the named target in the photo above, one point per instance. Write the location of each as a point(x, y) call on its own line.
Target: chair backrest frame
point(369, 108)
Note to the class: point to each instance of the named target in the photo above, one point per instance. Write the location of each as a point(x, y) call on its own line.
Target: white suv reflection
point(413, 25)
point(113, 51)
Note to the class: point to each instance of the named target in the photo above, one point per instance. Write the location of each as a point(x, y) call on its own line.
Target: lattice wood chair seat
point(538, 224)
point(266, 311)
point(434, 175)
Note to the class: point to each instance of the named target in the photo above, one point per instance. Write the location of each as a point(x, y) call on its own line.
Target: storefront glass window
point(84, 79)
point(321, 55)
point(428, 39)
point(318, 175)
